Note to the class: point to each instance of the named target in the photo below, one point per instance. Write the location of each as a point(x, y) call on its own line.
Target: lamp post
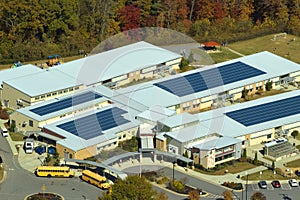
point(246, 185)
point(174, 162)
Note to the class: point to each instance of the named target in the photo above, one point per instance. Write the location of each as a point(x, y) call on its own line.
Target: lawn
point(266, 175)
point(294, 164)
point(223, 55)
point(16, 136)
point(1, 172)
point(284, 47)
point(235, 168)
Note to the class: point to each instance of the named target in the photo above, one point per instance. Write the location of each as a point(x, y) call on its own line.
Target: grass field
point(266, 175)
point(284, 47)
point(235, 168)
point(294, 164)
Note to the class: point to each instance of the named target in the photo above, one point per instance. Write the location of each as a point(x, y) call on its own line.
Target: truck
point(29, 145)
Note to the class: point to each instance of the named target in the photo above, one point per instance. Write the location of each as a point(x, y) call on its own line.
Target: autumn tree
point(194, 195)
point(227, 195)
point(133, 187)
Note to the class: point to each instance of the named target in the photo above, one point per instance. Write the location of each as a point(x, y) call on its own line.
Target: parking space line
point(270, 187)
point(286, 186)
point(255, 187)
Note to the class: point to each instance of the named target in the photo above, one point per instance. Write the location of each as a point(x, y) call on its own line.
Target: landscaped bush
point(233, 185)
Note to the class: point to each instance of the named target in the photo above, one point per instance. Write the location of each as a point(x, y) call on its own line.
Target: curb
point(26, 198)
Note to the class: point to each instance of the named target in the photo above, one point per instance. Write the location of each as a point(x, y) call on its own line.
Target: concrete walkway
point(233, 51)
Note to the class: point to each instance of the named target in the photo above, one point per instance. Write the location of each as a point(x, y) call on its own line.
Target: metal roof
point(217, 143)
point(43, 82)
point(273, 65)
point(17, 72)
point(178, 120)
point(117, 62)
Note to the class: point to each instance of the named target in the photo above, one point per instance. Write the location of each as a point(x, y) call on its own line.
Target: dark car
point(262, 184)
point(276, 184)
point(40, 150)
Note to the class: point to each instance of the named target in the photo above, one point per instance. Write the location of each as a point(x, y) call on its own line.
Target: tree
point(295, 134)
point(227, 195)
point(133, 187)
point(245, 153)
point(258, 196)
point(162, 196)
point(194, 195)
point(255, 161)
point(269, 85)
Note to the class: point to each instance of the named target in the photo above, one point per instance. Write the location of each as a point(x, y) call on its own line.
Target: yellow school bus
point(54, 171)
point(95, 179)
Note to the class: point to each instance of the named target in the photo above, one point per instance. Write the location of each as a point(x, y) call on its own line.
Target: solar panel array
point(266, 112)
point(66, 103)
point(92, 125)
point(208, 79)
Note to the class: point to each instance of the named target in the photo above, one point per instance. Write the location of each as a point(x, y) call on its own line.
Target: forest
point(34, 29)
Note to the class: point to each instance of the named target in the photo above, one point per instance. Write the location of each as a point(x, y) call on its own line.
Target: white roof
point(43, 82)
point(116, 62)
point(23, 70)
point(273, 65)
point(27, 110)
point(217, 143)
point(156, 113)
point(217, 121)
point(178, 120)
point(77, 143)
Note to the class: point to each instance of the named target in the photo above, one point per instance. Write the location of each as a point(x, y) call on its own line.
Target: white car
point(293, 183)
point(4, 132)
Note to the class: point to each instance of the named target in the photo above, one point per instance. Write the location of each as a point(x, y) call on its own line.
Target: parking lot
point(284, 186)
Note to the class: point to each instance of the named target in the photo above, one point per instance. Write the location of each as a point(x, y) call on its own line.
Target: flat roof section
point(211, 78)
point(66, 103)
point(266, 112)
point(92, 125)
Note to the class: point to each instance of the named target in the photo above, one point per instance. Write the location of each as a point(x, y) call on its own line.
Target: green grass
point(266, 175)
point(294, 163)
point(223, 55)
point(282, 47)
point(16, 136)
point(235, 168)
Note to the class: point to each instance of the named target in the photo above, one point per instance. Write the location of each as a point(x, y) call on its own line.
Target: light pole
point(174, 162)
point(246, 185)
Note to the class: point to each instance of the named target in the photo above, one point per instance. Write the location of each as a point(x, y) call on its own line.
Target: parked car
point(276, 184)
point(262, 184)
point(40, 149)
point(293, 183)
point(297, 172)
point(4, 132)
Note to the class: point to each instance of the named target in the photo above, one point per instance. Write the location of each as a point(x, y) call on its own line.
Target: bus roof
point(53, 167)
point(93, 175)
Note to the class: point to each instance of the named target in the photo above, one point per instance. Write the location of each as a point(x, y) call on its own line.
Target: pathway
point(233, 51)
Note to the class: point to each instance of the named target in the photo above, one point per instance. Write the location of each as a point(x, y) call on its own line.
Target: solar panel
point(266, 112)
point(208, 79)
point(66, 103)
point(93, 125)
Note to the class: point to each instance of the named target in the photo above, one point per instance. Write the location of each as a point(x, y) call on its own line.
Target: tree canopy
point(34, 29)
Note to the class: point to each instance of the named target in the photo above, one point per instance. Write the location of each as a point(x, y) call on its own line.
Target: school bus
point(54, 171)
point(95, 179)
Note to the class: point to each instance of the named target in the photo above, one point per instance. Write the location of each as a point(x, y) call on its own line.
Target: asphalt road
point(215, 190)
point(19, 182)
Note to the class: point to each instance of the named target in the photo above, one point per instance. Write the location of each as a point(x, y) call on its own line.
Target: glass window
point(48, 95)
point(31, 123)
point(269, 136)
point(71, 89)
point(37, 98)
point(76, 88)
point(43, 96)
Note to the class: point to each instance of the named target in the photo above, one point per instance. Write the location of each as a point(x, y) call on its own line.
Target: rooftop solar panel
point(66, 103)
point(208, 79)
point(266, 112)
point(92, 125)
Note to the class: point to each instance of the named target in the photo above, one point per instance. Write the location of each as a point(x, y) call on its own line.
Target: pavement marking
point(255, 187)
point(286, 186)
point(270, 187)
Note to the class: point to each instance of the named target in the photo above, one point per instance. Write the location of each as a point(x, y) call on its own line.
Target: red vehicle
point(276, 184)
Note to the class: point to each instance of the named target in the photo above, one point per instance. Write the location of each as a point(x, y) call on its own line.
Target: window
point(31, 123)
point(43, 96)
point(76, 88)
point(60, 92)
point(65, 91)
point(124, 136)
point(13, 122)
point(71, 89)
point(48, 95)
point(54, 93)
point(37, 98)
point(269, 136)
